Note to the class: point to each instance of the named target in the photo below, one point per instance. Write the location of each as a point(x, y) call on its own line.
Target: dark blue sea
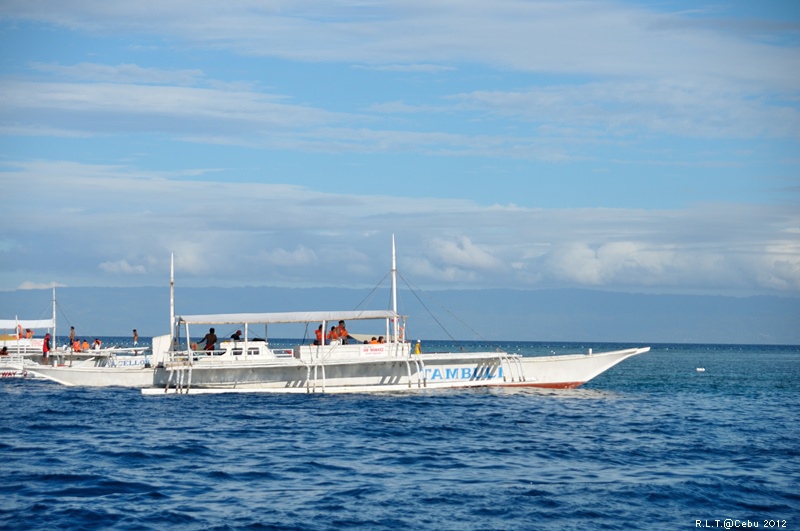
point(653, 443)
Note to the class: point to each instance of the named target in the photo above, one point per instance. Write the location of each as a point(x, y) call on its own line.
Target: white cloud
point(121, 73)
point(462, 253)
point(281, 257)
point(423, 68)
point(39, 285)
point(689, 108)
point(589, 88)
point(569, 36)
point(290, 235)
point(649, 70)
point(122, 267)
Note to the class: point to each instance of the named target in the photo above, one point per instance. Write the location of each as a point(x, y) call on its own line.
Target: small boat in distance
point(20, 349)
point(23, 354)
point(250, 364)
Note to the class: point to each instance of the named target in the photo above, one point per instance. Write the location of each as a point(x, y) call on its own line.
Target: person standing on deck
point(210, 339)
point(135, 338)
point(318, 333)
point(45, 348)
point(71, 335)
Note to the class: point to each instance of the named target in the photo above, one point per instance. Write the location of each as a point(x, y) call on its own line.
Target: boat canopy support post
point(422, 380)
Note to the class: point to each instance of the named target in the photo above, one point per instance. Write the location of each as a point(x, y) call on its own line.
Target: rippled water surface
point(652, 443)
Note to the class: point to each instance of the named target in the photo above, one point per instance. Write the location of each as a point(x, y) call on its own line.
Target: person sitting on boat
point(97, 344)
point(341, 332)
point(85, 345)
point(318, 333)
point(333, 336)
point(76, 345)
point(210, 339)
point(28, 333)
point(381, 340)
point(4, 352)
point(374, 340)
point(237, 336)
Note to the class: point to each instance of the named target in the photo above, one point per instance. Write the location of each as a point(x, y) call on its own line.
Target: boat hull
point(390, 374)
point(98, 376)
point(570, 371)
point(378, 374)
point(14, 372)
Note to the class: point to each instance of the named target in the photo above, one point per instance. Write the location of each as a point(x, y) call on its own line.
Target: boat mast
point(394, 291)
point(172, 301)
point(54, 314)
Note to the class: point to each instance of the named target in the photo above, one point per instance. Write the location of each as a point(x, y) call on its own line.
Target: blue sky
point(627, 146)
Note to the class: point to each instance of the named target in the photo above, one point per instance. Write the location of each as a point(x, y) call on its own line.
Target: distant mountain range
point(494, 314)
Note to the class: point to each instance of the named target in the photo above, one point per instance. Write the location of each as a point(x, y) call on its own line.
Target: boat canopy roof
point(27, 323)
point(286, 317)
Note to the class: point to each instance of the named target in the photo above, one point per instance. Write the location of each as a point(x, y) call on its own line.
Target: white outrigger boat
point(24, 355)
point(21, 351)
point(252, 365)
point(106, 367)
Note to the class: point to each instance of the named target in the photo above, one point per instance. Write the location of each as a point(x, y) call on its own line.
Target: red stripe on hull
point(560, 385)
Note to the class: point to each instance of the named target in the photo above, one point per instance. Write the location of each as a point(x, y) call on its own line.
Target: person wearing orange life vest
point(318, 334)
point(76, 345)
point(85, 345)
point(341, 332)
point(332, 335)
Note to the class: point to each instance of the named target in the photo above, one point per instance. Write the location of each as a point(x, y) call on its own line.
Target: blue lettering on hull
point(464, 373)
point(130, 363)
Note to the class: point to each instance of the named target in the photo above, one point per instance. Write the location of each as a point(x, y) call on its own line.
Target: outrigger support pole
point(394, 292)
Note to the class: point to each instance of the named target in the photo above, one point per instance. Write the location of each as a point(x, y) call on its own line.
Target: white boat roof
point(286, 317)
point(27, 323)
